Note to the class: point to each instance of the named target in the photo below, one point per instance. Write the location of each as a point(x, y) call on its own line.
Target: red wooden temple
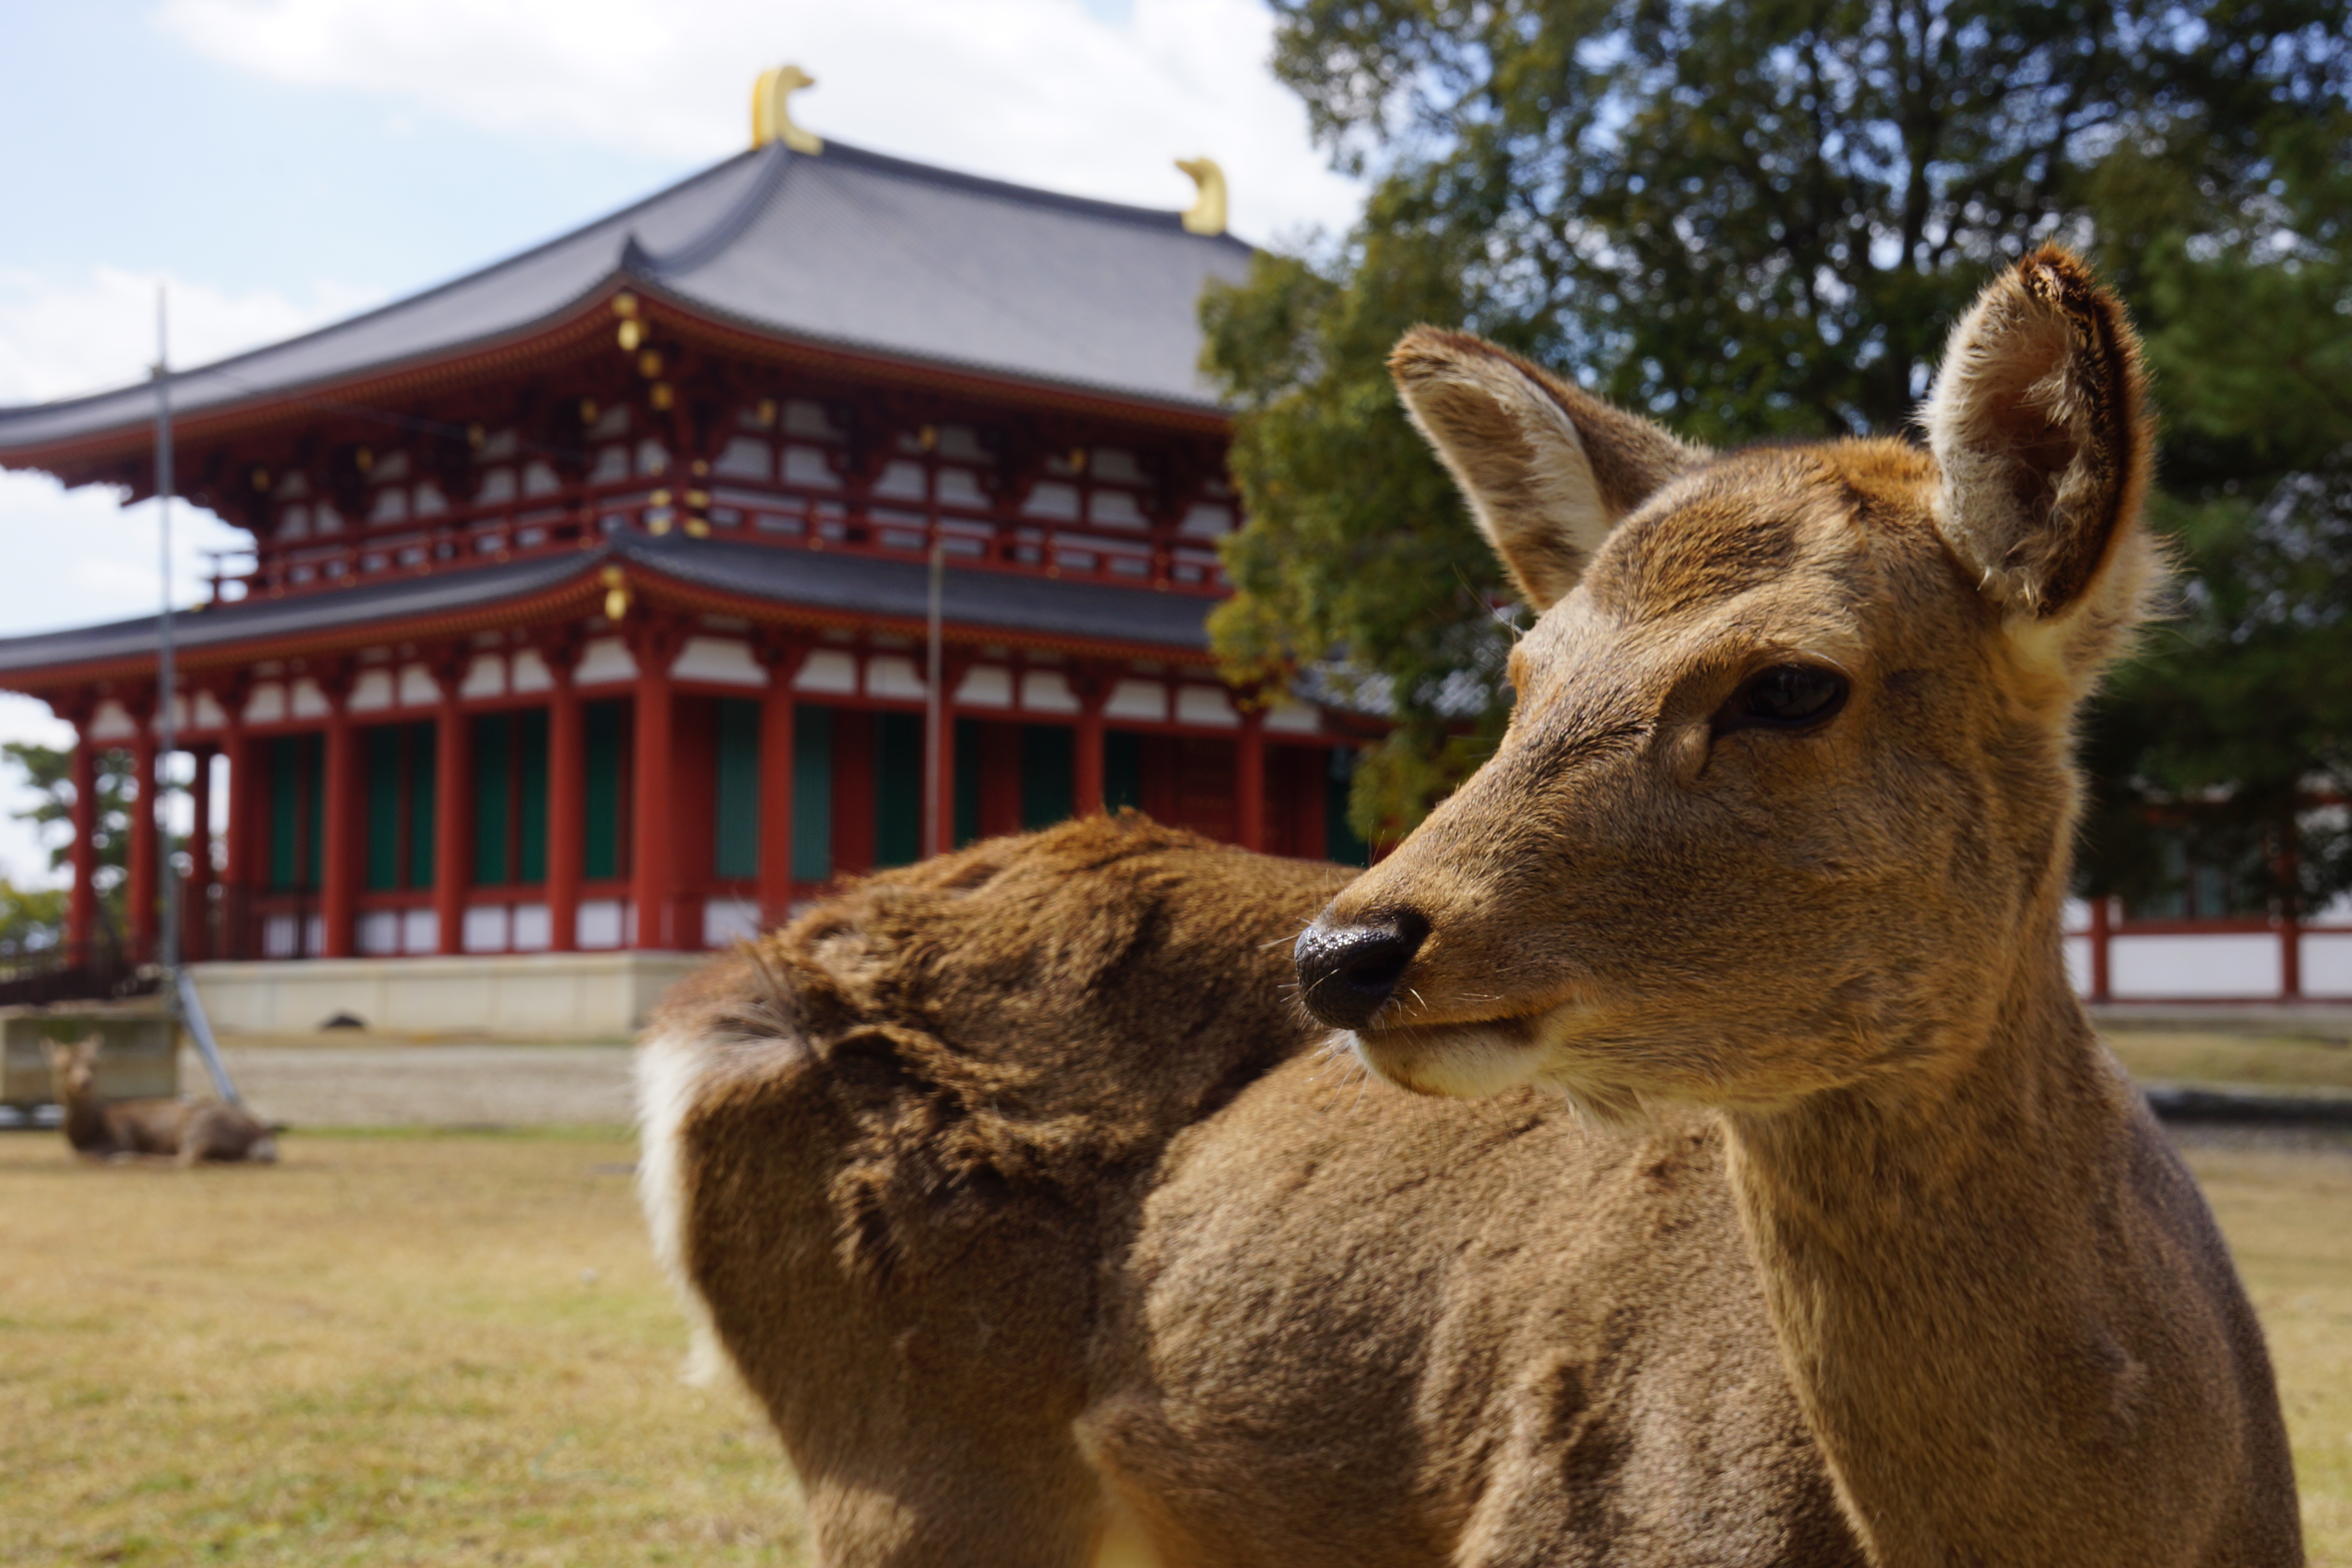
point(587, 600)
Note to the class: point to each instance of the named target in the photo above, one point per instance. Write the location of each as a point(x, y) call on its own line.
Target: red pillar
point(196, 907)
point(145, 851)
point(655, 892)
point(1093, 689)
point(236, 840)
point(453, 804)
point(81, 908)
point(1249, 780)
point(2290, 960)
point(783, 660)
point(567, 804)
point(339, 883)
point(2100, 934)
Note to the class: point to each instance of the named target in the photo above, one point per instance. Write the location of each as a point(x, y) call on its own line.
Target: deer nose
point(1345, 972)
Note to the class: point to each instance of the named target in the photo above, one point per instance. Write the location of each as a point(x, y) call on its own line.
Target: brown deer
point(1016, 1188)
point(192, 1131)
point(1781, 827)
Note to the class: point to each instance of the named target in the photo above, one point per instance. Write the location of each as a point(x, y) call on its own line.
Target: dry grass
point(385, 1351)
point(2166, 1056)
point(389, 1351)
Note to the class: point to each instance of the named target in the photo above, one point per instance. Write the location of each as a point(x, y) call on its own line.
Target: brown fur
point(2007, 1315)
point(191, 1131)
point(1015, 1187)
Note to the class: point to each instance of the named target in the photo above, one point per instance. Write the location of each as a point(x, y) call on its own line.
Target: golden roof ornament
point(772, 115)
point(1207, 213)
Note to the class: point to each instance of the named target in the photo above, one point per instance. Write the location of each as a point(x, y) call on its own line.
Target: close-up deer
point(1764, 1196)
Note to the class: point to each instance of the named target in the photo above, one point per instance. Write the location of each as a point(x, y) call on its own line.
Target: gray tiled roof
point(974, 601)
point(845, 248)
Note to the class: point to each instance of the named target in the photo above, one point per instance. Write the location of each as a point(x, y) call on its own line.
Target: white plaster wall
point(827, 670)
point(209, 712)
point(1145, 699)
point(2078, 963)
point(371, 691)
point(892, 675)
point(2327, 963)
point(309, 703)
point(720, 659)
point(604, 661)
point(417, 687)
point(726, 920)
point(530, 672)
point(420, 930)
point(486, 929)
point(985, 686)
point(484, 677)
point(110, 722)
point(534, 927)
point(1047, 692)
point(2209, 964)
point(265, 704)
point(602, 923)
point(1206, 705)
point(1289, 718)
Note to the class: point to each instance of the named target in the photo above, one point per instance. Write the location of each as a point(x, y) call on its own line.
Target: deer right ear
point(2039, 422)
point(1547, 469)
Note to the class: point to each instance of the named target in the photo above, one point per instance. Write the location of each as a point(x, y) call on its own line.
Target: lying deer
point(1798, 1218)
point(191, 1131)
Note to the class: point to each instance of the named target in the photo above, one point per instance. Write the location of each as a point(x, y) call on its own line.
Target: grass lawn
point(388, 1349)
point(456, 1350)
point(2214, 1057)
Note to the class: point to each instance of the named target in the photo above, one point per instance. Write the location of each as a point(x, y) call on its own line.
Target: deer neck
point(1959, 1272)
point(85, 1123)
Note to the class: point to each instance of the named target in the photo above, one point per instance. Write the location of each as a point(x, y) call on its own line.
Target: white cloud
point(1039, 91)
point(61, 337)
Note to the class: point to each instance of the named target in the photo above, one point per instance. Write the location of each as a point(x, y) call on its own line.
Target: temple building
point(590, 605)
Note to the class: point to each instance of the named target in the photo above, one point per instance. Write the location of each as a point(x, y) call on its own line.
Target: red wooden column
point(339, 883)
point(2100, 934)
point(145, 852)
point(783, 657)
point(453, 803)
point(953, 666)
point(236, 841)
point(567, 799)
point(196, 907)
point(1249, 779)
point(81, 908)
point(1092, 688)
point(655, 645)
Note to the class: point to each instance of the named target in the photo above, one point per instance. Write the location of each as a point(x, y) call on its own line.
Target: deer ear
point(1547, 469)
point(2038, 421)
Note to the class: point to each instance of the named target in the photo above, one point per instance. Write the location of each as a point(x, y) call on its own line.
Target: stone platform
point(573, 996)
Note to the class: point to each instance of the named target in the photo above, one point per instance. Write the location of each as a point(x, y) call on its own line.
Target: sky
point(275, 164)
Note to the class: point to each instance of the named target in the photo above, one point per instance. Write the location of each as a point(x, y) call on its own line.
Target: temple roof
point(805, 586)
point(843, 247)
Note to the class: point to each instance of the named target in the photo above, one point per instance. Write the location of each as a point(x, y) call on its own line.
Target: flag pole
point(182, 1006)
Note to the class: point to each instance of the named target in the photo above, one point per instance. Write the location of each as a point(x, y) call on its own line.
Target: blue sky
point(278, 163)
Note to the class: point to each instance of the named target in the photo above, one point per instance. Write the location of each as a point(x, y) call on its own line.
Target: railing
point(782, 514)
point(35, 979)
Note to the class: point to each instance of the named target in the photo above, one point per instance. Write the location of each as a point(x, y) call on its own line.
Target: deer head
point(1786, 795)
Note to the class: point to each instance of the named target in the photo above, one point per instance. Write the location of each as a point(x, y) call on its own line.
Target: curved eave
point(577, 330)
point(580, 595)
point(678, 593)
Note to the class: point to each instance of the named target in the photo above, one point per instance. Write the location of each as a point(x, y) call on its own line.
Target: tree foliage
point(36, 918)
point(1754, 221)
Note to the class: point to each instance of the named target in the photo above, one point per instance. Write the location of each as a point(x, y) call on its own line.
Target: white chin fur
point(1467, 1064)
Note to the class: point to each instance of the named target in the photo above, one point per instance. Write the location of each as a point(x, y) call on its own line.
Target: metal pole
point(181, 1003)
point(933, 707)
point(167, 731)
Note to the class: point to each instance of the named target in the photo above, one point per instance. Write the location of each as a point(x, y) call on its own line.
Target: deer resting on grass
point(192, 1131)
point(1772, 1200)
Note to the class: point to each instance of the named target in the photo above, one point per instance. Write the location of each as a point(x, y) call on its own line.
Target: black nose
point(1345, 972)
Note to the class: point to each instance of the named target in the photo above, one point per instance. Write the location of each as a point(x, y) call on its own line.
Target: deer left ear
point(2039, 423)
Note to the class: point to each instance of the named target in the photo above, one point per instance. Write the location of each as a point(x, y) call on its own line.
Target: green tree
point(1747, 220)
point(47, 771)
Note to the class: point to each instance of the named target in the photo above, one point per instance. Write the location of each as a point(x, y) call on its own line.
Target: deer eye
point(1786, 697)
